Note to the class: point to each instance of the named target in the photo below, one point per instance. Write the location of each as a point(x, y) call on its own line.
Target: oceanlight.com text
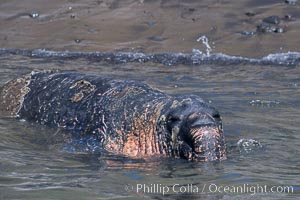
point(251, 189)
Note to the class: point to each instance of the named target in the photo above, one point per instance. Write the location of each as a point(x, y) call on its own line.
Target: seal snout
point(206, 136)
point(207, 144)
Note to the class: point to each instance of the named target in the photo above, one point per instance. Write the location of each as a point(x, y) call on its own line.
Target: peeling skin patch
point(12, 95)
point(84, 87)
point(77, 97)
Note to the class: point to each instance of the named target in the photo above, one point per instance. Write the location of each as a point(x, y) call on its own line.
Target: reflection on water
point(256, 101)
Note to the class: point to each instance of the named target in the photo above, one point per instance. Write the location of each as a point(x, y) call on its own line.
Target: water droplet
point(268, 103)
point(204, 41)
point(249, 145)
point(34, 14)
point(292, 2)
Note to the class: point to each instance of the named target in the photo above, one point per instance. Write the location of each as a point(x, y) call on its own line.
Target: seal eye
point(216, 116)
point(173, 119)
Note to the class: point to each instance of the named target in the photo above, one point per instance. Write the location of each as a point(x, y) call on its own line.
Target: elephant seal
point(125, 117)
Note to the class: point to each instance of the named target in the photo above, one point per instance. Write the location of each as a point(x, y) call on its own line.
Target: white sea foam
point(197, 57)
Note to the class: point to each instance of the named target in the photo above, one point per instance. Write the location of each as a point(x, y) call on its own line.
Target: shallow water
point(252, 79)
point(259, 102)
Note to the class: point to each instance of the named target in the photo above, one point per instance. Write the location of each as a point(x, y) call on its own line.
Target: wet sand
point(148, 25)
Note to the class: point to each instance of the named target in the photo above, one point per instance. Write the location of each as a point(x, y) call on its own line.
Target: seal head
point(196, 130)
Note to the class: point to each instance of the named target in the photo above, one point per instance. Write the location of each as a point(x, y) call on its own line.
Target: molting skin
point(125, 117)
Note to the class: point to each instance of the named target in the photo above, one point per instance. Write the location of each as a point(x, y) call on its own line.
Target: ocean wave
point(168, 59)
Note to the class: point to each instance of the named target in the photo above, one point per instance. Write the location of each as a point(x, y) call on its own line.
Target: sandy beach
point(148, 26)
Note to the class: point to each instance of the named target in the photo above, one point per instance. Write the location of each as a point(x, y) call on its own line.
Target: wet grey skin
point(120, 116)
